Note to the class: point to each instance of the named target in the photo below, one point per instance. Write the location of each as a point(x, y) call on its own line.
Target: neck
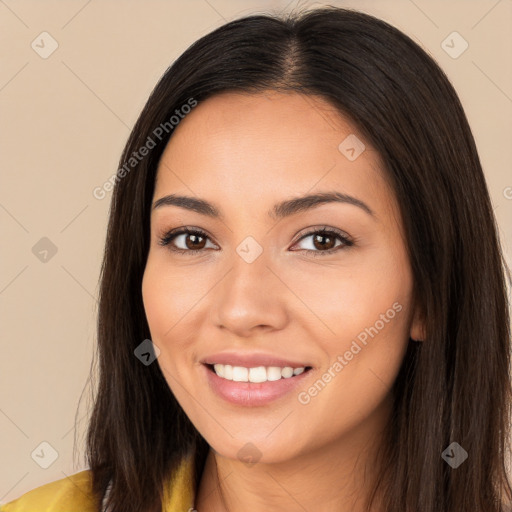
point(337, 476)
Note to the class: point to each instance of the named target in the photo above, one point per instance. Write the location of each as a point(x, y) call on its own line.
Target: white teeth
point(256, 374)
point(240, 374)
point(273, 373)
point(219, 369)
point(228, 371)
point(287, 372)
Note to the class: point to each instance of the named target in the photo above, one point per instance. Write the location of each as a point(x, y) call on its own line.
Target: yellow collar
point(179, 493)
point(75, 493)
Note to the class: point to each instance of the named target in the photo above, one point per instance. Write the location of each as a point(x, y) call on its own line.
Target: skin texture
point(244, 153)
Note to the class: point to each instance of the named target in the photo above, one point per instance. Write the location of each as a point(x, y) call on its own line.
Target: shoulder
point(70, 493)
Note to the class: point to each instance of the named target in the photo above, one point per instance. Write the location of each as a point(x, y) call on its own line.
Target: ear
point(418, 330)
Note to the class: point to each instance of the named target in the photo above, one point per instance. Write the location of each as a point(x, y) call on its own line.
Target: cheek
point(363, 360)
point(169, 296)
point(172, 302)
point(163, 308)
point(353, 293)
point(157, 301)
point(369, 310)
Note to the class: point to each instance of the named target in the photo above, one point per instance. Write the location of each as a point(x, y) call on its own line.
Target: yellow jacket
point(73, 493)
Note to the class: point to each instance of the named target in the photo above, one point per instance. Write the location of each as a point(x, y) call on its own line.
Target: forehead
point(235, 123)
point(250, 147)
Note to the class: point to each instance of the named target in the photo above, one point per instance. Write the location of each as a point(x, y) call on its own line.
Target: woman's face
point(324, 285)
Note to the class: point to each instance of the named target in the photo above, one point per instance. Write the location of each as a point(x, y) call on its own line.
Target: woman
point(303, 299)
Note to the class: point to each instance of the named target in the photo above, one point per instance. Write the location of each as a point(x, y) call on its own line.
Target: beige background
point(64, 121)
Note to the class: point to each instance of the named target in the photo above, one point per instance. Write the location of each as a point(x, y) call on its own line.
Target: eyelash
point(171, 235)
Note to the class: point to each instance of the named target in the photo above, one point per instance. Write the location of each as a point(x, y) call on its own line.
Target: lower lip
point(251, 394)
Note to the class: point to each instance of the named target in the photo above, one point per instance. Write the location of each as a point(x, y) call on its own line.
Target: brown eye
point(324, 241)
point(185, 240)
point(194, 241)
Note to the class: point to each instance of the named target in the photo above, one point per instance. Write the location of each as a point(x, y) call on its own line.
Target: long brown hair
point(453, 387)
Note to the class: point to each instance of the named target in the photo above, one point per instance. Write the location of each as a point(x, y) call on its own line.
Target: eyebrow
point(279, 210)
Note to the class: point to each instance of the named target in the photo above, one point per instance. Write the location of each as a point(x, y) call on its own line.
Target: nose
point(250, 298)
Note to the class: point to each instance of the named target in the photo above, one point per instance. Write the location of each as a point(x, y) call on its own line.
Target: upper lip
point(251, 360)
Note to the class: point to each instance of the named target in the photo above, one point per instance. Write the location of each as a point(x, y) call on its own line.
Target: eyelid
point(323, 229)
point(346, 240)
point(167, 237)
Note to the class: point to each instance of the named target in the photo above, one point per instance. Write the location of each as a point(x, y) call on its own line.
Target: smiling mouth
point(256, 374)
